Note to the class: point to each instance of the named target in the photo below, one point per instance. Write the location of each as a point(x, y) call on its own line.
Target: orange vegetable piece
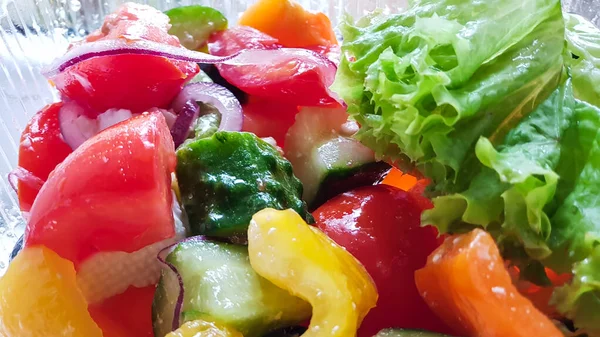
point(39, 298)
point(291, 24)
point(466, 284)
point(400, 180)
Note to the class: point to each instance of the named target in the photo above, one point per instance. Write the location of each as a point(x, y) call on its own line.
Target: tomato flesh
point(289, 77)
point(380, 226)
point(134, 82)
point(268, 119)
point(126, 315)
point(113, 193)
point(42, 147)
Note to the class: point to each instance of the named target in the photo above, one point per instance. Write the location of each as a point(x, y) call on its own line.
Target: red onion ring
point(162, 258)
point(187, 114)
point(25, 176)
point(100, 48)
point(218, 96)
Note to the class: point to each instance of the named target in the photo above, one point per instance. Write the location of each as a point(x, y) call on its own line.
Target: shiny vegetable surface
point(289, 23)
point(219, 283)
point(124, 81)
point(193, 24)
point(301, 259)
point(200, 328)
point(41, 149)
point(466, 283)
point(39, 298)
point(220, 197)
point(103, 198)
point(380, 226)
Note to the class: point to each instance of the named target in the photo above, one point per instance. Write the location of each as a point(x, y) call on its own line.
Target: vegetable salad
point(429, 173)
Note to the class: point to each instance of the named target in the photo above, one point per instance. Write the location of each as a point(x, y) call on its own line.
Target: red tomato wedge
point(126, 315)
point(42, 147)
point(113, 193)
point(466, 283)
point(380, 225)
point(268, 119)
point(294, 76)
point(134, 82)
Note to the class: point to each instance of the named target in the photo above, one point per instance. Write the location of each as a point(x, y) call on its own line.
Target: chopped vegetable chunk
point(466, 284)
point(301, 259)
point(226, 178)
point(39, 298)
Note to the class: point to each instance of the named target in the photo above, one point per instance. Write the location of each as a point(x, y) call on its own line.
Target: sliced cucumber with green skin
point(226, 178)
point(219, 283)
point(320, 148)
point(408, 333)
point(337, 182)
point(194, 24)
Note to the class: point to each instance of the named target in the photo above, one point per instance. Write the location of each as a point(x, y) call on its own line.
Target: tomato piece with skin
point(268, 119)
point(467, 284)
point(113, 193)
point(134, 82)
point(41, 149)
point(293, 76)
point(126, 315)
point(380, 226)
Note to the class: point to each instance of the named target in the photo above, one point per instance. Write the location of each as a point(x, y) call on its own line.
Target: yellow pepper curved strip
point(301, 259)
point(200, 328)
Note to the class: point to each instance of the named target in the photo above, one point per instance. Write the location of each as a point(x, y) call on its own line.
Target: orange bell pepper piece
point(39, 298)
point(400, 180)
point(291, 24)
point(466, 283)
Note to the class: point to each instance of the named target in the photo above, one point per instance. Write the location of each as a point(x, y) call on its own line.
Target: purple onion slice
point(186, 115)
point(86, 51)
point(162, 257)
point(217, 96)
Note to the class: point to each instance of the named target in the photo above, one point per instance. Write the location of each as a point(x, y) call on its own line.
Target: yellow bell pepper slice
point(200, 328)
point(301, 259)
point(39, 297)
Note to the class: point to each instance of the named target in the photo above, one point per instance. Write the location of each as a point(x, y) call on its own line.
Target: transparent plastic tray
point(33, 32)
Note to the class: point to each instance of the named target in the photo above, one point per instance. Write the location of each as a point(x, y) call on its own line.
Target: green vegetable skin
point(220, 284)
point(226, 178)
point(512, 144)
point(194, 24)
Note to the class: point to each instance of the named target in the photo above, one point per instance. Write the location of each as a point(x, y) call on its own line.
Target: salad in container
point(430, 173)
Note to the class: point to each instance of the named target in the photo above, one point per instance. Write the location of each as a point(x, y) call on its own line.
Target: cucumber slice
point(320, 149)
point(220, 284)
point(408, 333)
point(194, 24)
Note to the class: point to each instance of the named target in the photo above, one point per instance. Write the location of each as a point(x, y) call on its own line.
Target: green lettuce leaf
point(427, 83)
point(516, 181)
point(583, 41)
point(580, 299)
point(538, 193)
